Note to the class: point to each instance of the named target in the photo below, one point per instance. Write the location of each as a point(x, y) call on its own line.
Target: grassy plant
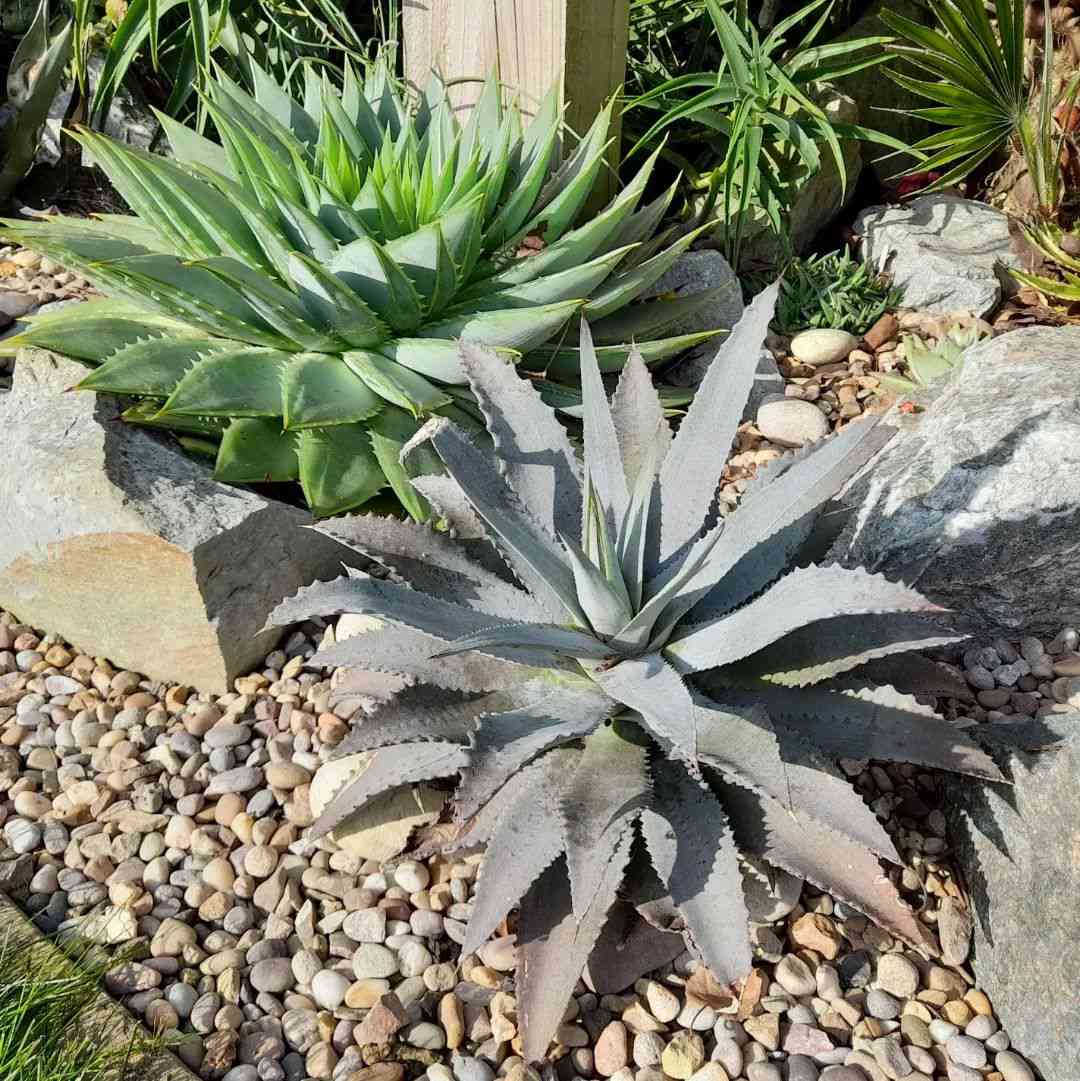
point(833, 290)
point(44, 994)
point(757, 115)
point(649, 692)
point(295, 294)
point(182, 40)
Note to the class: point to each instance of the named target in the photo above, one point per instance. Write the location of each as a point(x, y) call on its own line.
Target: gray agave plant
point(647, 673)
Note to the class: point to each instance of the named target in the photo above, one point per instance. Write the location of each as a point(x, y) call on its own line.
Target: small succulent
point(293, 297)
point(927, 363)
point(835, 291)
point(620, 678)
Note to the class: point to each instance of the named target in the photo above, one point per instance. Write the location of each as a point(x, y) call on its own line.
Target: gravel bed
point(171, 826)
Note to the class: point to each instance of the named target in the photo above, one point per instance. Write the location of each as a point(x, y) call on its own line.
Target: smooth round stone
point(966, 1051)
point(982, 1026)
point(414, 959)
point(425, 1035)
point(941, 1031)
point(822, 346)
point(882, 1005)
point(329, 989)
point(273, 975)
point(468, 1068)
point(286, 775)
point(182, 998)
point(32, 805)
point(1012, 1067)
point(412, 876)
point(242, 1073)
point(372, 961)
point(795, 977)
point(801, 1068)
point(791, 422)
point(897, 975)
point(23, 836)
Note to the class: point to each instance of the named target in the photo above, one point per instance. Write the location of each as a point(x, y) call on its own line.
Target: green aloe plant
point(603, 662)
point(294, 296)
point(926, 363)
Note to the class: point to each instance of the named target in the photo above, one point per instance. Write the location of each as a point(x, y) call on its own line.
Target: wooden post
point(579, 45)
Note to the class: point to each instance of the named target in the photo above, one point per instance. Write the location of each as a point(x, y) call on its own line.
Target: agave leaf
point(554, 945)
point(802, 847)
point(363, 595)
point(369, 271)
point(693, 850)
point(640, 426)
point(338, 470)
point(802, 597)
point(600, 799)
point(569, 186)
point(333, 306)
point(603, 465)
point(604, 600)
point(754, 547)
point(543, 637)
point(652, 319)
point(743, 744)
point(508, 741)
point(402, 387)
point(654, 689)
point(318, 389)
point(525, 841)
point(564, 362)
point(831, 646)
point(417, 714)
point(572, 284)
point(691, 470)
point(911, 673)
point(453, 507)
point(242, 382)
point(411, 653)
point(151, 367)
point(623, 287)
point(389, 768)
point(537, 558)
point(255, 450)
point(514, 328)
point(432, 563)
point(893, 729)
point(436, 358)
point(537, 458)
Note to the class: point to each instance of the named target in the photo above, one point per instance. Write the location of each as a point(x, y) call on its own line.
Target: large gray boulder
point(1018, 848)
point(115, 539)
point(976, 501)
point(947, 254)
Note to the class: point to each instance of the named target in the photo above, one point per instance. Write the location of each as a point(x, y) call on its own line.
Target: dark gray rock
point(1018, 847)
point(128, 548)
point(947, 254)
point(698, 272)
point(976, 502)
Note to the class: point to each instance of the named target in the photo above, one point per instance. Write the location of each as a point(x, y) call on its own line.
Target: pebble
point(269, 951)
point(1012, 1067)
point(790, 422)
point(966, 1051)
point(822, 346)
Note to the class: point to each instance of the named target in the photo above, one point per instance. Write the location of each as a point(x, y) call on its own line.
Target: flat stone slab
point(947, 254)
point(976, 502)
point(120, 542)
point(1018, 846)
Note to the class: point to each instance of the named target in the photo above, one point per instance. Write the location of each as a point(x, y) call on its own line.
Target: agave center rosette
point(619, 676)
point(291, 298)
